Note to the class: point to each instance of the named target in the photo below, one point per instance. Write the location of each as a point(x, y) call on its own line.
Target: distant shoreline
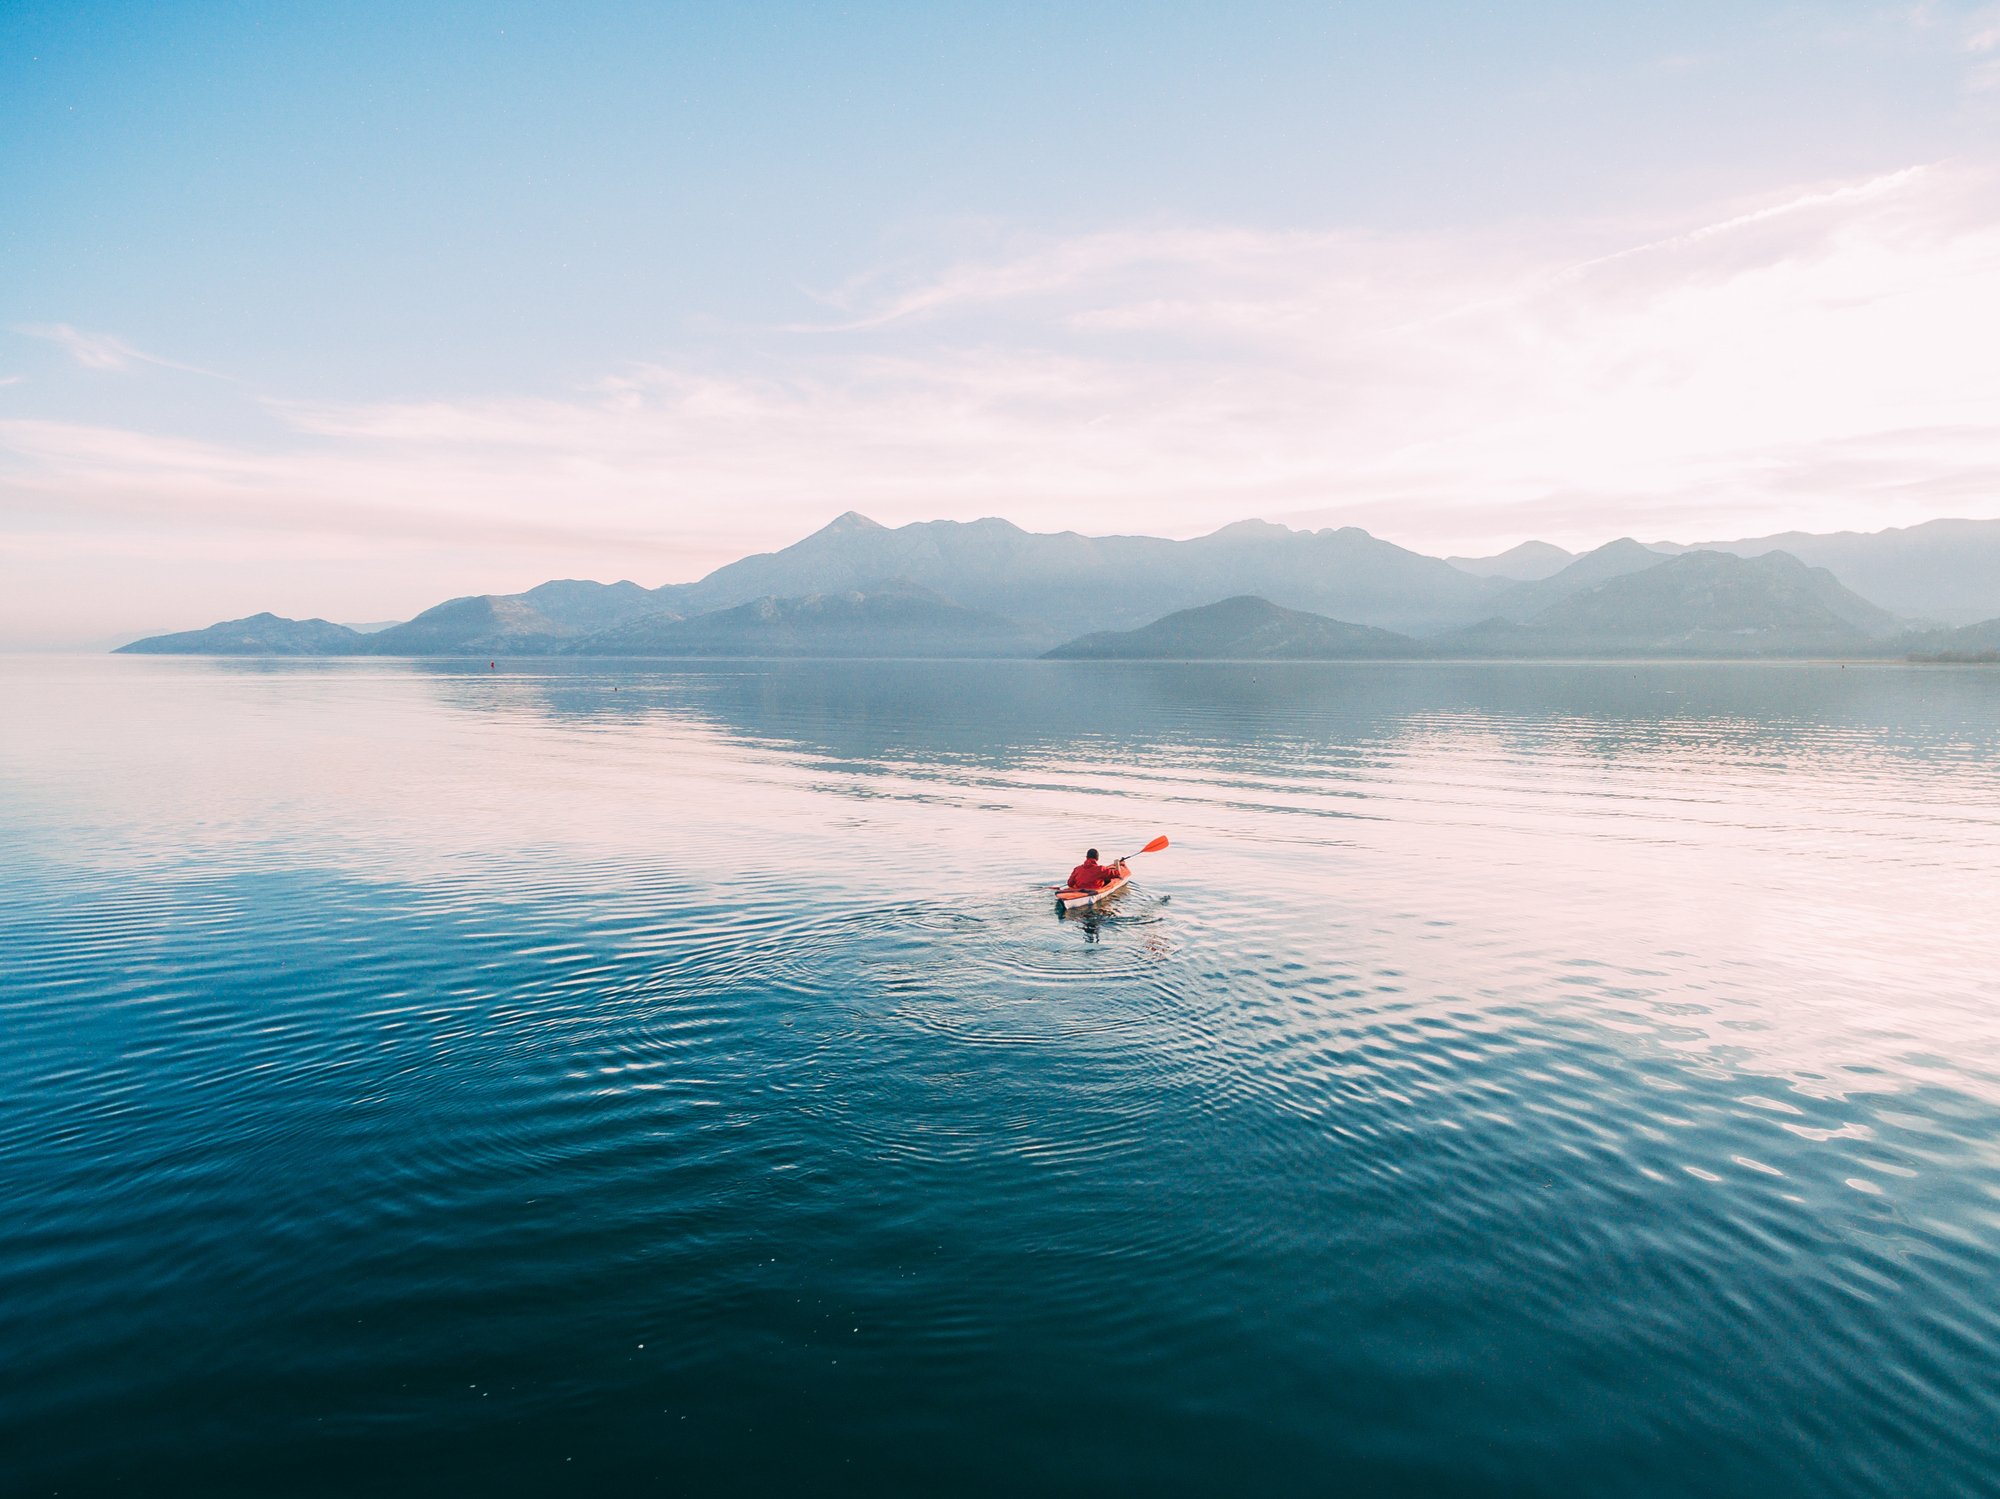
point(1981, 659)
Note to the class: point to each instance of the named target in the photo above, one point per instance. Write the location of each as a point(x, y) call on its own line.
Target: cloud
point(102, 351)
point(1826, 356)
point(1036, 270)
point(1965, 34)
point(77, 471)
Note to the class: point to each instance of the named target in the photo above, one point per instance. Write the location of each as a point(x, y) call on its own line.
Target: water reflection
point(867, 711)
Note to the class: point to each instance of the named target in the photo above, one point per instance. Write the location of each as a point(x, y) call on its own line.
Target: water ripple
point(1513, 1080)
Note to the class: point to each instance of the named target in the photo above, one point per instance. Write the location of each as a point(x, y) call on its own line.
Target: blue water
point(1515, 1080)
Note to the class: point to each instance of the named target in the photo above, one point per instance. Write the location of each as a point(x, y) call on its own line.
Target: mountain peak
point(850, 522)
point(1527, 562)
point(1624, 546)
point(1250, 530)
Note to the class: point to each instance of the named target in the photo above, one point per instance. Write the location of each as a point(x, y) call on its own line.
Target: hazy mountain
point(1612, 560)
point(894, 618)
point(1696, 604)
point(523, 624)
point(257, 635)
point(1059, 585)
point(1980, 642)
point(1034, 590)
point(578, 604)
point(1526, 563)
point(485, 624)
point(1945, 570)
point(1239, 629)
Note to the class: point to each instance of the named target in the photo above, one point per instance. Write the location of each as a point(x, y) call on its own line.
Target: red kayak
point(1071, 899)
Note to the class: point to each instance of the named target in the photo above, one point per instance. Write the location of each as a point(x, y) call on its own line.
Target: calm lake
point(1515, 1079)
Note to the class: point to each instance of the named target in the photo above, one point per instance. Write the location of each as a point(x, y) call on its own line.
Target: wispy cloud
point(102, 351)
point(1046, 268)
point(1827, 356)
point(1967, 34)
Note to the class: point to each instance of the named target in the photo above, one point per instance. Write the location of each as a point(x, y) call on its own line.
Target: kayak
point(1068, 899)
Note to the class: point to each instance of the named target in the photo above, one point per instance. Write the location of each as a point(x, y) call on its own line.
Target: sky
point(340, 310)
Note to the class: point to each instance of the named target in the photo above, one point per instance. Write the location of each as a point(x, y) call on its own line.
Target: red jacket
point(1091, 875)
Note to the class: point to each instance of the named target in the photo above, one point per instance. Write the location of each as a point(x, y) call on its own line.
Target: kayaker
point(1091, 875)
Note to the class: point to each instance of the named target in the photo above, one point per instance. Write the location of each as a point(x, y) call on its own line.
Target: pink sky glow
point(1826, 356)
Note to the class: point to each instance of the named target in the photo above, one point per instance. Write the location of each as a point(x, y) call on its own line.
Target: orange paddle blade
point(1156, 845)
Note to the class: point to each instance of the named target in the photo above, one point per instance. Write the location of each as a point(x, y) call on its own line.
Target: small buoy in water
point(492, 665)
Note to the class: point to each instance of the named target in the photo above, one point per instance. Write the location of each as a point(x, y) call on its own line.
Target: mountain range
point(1058, 585)
point(892, 618)
point(1942, 570)
point(1253, 589)
point(1699, 604)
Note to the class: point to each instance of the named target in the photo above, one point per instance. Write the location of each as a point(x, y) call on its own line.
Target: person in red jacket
point(1091, 875)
